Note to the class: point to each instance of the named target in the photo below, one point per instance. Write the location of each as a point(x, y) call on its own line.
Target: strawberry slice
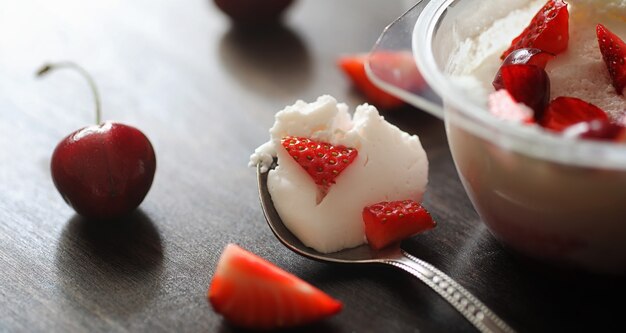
point(547, 31)
point(597, 129)
point(322, 161)
point(526, 56)
point(397, 68)
point(613, 51)
point(564, 112)
point(390, 222)
point(250, 292)
point(527, 84)
point(503, 106)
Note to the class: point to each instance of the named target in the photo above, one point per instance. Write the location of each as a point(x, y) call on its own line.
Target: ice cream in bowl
point(531, 93)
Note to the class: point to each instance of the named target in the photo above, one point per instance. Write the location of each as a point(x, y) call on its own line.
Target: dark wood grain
point(205, 94)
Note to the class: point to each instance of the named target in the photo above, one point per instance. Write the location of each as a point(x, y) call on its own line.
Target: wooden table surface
point(205, 94)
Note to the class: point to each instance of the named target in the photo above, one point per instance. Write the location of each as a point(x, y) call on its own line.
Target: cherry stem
point(46, 68)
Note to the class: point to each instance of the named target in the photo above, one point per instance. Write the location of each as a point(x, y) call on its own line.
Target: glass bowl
point(553, 198)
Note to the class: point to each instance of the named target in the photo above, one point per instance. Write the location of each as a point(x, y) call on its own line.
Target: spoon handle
point(461, 299)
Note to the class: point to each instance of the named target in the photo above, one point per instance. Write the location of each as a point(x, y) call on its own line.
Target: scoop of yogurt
point(391, 165)
point(578, 72)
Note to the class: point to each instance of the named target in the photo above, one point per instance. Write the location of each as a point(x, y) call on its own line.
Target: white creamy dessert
point(391, 165)
point(578, 72)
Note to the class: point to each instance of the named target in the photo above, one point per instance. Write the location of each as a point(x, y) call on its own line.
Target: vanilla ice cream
point(391, 165)
point(578, 72)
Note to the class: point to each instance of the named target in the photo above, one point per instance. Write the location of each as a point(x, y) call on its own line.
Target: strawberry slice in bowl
point(250, 292)
point(547, 31)
point(564, 112)
point(597, 129)
point(387, 223)
point(613, 51)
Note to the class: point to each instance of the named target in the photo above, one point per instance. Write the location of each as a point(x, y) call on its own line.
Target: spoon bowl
point(461, 299)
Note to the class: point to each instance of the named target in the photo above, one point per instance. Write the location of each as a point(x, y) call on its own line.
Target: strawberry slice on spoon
point(387, 223)
point(321, 160)
point(392, 256)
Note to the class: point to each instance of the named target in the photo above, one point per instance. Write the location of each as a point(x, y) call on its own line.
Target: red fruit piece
point(564, 112)
point(613, 51)
point(598, 129)
point(523, 57)
point(322, 161)
point(390, 222)
point(251, 292)
point(527, 84)
point(397, 68)
point(503, 106)
point(547, 31)
point(104, 171)
point(354, 67)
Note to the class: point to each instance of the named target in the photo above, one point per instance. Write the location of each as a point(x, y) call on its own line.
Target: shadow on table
point(267, 60)
point(536, 296)
point(112, 269)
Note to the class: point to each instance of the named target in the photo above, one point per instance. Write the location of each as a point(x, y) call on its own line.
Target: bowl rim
point(527, 140)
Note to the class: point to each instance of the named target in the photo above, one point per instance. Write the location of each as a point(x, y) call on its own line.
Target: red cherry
point(526, 56)
point(528, 84)
point(253, 12)
point(102, 171)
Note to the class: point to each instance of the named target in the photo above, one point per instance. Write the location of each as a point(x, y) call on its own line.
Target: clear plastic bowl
point(543, 195)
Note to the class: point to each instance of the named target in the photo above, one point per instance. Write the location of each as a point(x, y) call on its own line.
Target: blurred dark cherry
point(253, 12)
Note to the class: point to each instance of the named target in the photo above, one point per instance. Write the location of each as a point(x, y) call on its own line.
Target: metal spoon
point(461, 299)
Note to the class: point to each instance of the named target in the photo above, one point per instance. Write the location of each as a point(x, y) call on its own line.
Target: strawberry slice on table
point(387, 223)
point(250, 292)
point(613, 51)
point(564, 112)
point(321, 160)
point(397, 68)
point(547, 31)
point(528, 84)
